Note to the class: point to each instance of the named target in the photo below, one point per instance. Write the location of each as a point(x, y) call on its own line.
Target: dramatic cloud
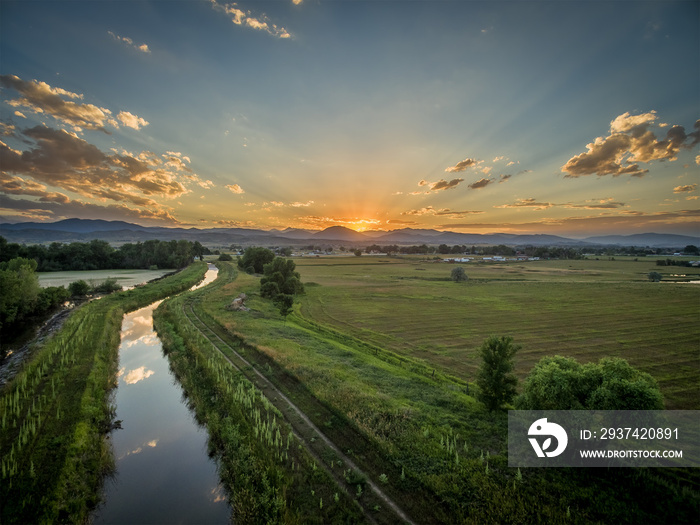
point(143, 48)
point(62, 160)
point(462, 165)
point(46, 209)
point(41, 98)
point(481, 183)
point(246, 18)
point(235, 188)
point(685, 189)
point(630, 142)
point(17, 186)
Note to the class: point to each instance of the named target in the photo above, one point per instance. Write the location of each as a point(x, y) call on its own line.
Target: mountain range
point(119, 232)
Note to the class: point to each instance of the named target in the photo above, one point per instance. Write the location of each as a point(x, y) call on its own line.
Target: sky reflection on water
point(164, 474)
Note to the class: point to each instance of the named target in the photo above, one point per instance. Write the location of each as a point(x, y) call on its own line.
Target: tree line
point(100, 255)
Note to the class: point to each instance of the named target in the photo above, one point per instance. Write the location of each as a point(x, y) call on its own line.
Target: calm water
point(163, 472)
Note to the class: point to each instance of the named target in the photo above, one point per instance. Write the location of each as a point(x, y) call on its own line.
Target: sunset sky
point(566, 117)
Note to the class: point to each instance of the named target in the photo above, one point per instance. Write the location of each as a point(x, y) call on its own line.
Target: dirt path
point(287, 407)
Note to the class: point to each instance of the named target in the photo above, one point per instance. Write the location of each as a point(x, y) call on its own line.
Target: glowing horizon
point(455, 116)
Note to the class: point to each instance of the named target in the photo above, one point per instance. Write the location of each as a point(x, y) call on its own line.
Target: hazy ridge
point(70, 230)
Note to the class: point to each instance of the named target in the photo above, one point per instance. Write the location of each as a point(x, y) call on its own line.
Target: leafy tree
point(495, 378)
point(458, 274)
point(281, 283)
point(285, 303)
point(19, 289)
point(357, 252)
point(225, 257)
point(281, 273)
point(255, 258)
point(655, 276)
point(562, 383)
point(691, 249)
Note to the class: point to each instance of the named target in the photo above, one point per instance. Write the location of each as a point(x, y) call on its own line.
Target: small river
point(164, 474)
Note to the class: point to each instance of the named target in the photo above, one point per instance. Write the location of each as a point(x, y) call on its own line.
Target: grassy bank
point(269, 476)
point(55, 412)
point(429, 438)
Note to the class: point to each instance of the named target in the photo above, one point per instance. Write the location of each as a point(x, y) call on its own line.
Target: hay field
point(584, 309)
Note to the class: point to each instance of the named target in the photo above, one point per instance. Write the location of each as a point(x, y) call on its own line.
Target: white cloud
point(258, 22)
point(131, 121)
point(143, 48)
point(235, 188)
point(138, 374)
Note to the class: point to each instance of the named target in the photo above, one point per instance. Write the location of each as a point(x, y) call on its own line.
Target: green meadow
point(586, 309)
point(382, 352)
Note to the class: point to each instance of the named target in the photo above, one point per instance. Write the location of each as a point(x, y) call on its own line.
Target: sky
point(562, 117)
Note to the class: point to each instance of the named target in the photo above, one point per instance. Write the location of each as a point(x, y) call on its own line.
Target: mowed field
point(586, 309)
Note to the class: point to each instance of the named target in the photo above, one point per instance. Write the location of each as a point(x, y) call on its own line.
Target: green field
point(584, 309)
point(383, 353)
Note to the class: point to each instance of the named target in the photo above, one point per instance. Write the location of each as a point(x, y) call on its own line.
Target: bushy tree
point(79, 288)
point(562, 383)
point(225, 257)
point(458, 274)
point(19, 289)
point(281, 283)
point(495, 378)
point(255, 258)
point(655, 276)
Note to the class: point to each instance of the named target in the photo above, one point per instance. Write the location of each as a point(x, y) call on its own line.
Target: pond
point(164, 474)
point(125, 278)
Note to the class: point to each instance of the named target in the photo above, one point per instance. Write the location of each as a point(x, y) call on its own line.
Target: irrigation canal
point(163, 472)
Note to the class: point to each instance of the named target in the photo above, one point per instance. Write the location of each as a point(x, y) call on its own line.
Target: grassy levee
point(441, 454)
point(268, 475)
point(56, 411)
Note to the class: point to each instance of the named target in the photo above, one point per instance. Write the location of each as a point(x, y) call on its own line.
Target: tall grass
point(56, 411)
